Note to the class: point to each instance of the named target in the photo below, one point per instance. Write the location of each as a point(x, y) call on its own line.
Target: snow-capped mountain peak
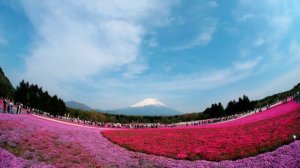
point(148, 107)
point(148, 102)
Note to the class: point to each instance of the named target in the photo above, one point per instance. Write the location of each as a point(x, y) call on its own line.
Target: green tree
point(6, 88)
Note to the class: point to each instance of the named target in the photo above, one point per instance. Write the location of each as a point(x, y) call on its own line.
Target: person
point(18, 107)
point(4, 104)
point(11, 104)
point(8, 106)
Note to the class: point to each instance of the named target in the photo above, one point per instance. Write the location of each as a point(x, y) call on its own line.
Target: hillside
point(5, 85)
point(77, 105)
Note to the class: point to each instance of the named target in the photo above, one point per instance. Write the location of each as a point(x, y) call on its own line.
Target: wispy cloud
point(259, 41)
point(246, 65)
point(3, 40)
point(204, 37)
point(174, 85)
point(78, 39)
point(205, 80)
point(276, 19)
point(152, 42)
point(213, 4)
point(99, 51)
point(294, 53)
point(245, 17)
point(132, 70)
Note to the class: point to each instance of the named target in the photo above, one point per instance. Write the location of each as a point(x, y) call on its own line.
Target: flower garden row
point(28, 141)
point(238, 139)
point(42, 146)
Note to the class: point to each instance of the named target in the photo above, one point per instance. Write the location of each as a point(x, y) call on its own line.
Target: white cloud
point(153, 43)
point(206, 34)
point(208, 79)
point(205, 80)
point(213, 4)
point(3, 40)
point(246, 65)
point(259, 41)
point(134, 69)
point(293, 56)
point(281, 24)
point(245, 17)
point(231, 30)
point(204, 37)
point(276, 20)
point(294, 49)
point(78, 39)
point(194, 82)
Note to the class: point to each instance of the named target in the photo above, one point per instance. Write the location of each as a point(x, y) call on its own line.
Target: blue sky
point(111, 54)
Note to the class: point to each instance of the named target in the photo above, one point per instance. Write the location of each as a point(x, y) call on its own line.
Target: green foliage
point(242, 105)
point(277, 97)
point(216, 110)
point(34, 97)
point(6, 88)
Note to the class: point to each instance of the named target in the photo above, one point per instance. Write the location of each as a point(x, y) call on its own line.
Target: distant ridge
point(77, 105)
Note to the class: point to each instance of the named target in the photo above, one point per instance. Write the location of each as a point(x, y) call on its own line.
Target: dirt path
point(67, 123)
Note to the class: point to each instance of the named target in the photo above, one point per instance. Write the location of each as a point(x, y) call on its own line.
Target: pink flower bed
point(42, 145)
point(9, 160)
point(237, 139)
point(273, 112)
point(27, 141)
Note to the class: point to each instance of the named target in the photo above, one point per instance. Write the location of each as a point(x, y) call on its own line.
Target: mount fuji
point(148, 107)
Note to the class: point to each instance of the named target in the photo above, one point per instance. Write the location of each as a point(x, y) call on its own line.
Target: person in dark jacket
point(4, 104)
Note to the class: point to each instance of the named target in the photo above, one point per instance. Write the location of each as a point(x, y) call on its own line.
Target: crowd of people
point(296, 97)
point(67, 118)
point(8, 106)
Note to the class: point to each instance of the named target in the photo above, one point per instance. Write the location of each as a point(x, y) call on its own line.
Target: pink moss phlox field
point(224, 141)
point(10, 160)
point(35, 142)
point(21, 135)
point(273, 112)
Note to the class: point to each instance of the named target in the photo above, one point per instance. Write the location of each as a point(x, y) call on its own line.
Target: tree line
point(279, 96)
point(233, 107)
point(216, 110)
point(242, 104)
point(33, 96)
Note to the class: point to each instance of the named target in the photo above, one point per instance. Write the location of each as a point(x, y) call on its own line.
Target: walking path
point(63, 122)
